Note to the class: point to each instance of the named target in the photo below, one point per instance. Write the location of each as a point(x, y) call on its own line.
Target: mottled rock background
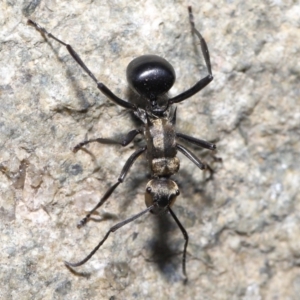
point(244, 223)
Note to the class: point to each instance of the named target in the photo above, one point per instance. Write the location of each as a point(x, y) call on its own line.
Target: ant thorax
point(160, 136)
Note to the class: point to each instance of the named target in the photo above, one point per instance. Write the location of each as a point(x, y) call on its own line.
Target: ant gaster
point(151, 77)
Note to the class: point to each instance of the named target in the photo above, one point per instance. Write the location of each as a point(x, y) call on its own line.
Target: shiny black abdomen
point(150, 76)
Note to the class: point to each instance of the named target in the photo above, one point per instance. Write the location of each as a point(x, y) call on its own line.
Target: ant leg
point(186, 238)
point(204, 81)
point(121, 178)
point(105, 90)
point(130, 136)
point(112, 229)
point(198, 142)
point(127, 140)
point(204, 48)
point(191, 156)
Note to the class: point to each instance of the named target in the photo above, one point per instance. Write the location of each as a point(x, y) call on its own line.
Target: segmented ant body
point(150, 76)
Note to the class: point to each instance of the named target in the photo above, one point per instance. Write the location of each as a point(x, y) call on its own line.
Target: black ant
point(151, 77)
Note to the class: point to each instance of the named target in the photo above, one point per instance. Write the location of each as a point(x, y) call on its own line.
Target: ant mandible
point(151, 77)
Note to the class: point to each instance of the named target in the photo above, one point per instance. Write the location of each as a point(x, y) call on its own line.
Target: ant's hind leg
point(202, 41)
point(104, 89)
point(202, 83)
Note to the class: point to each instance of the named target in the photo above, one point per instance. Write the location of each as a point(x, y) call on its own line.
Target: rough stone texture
point(244, 225)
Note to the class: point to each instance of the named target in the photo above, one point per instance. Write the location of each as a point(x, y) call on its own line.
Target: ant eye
point(148, 189)
point(177, 192)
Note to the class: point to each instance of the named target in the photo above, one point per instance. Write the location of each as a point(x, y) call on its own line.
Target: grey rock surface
point(243, 224)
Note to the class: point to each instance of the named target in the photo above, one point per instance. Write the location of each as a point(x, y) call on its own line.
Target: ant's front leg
point(112, 229)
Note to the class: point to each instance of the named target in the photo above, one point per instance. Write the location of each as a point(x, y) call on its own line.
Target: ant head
point(162, 192)
point(150, 76)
